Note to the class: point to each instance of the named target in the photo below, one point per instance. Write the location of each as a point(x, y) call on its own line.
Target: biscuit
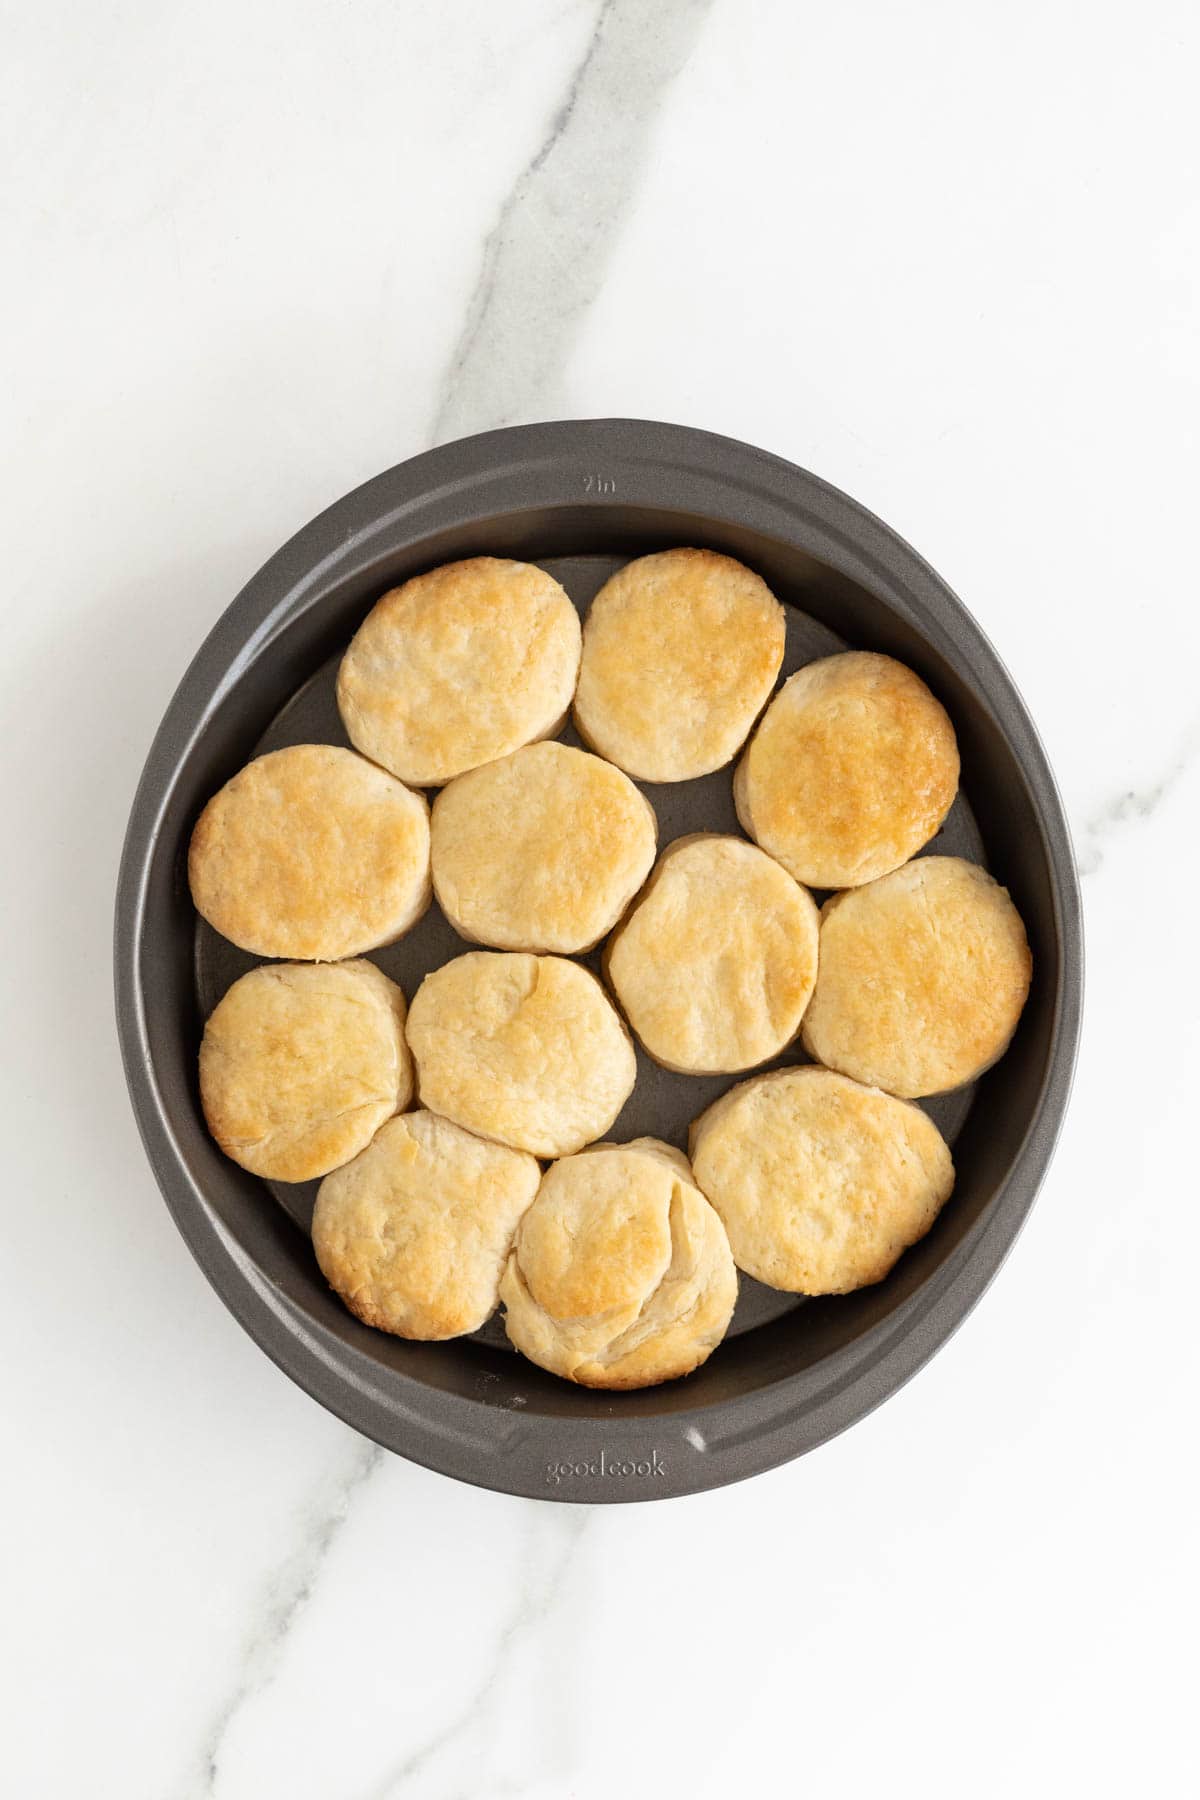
point(853, 767)
point(312, 853)
point(680, 651)
point(458, 667)
point(716, 962)
point(300, 1065)
point(821, 1183)
point(414, 1233)
point(922, 978)
point(542, 850)
point(620, 1275)
point(528, 1050)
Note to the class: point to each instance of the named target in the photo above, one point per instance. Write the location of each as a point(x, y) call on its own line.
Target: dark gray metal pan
point(581, 497)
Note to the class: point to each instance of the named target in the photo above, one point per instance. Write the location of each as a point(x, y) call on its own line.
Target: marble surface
point(947, 257)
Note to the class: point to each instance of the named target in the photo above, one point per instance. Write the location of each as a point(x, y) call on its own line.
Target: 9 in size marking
point(599, 484)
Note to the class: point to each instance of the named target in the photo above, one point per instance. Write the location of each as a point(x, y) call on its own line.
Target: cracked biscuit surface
point(528, 1050)
point(300, 1065)
point(716, 962)
point(680, 651)
point(414, 1233)
point(921, 980)
point(542, 850)
point(852, 769)
point(460, 666)
point(822, 1183)
point(311, 853)
point(620, 1275)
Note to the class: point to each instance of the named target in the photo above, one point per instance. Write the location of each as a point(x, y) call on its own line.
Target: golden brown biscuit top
point(541, 850)
point(821, 1182)
point(922, 977)
point(525, 1049)
point(600, 1237)
point(852, 769)
point(413, 1234)
point(717, 959)
point(301, 1063)
point(621, 1274)
point(680, 651)
point(460, 666)
point(313, 853)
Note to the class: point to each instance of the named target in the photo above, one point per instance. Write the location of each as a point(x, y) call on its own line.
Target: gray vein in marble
point(542, 266)
point(540, 1587)
point(1133, 807)
point(288, 1592)
point(544, 259)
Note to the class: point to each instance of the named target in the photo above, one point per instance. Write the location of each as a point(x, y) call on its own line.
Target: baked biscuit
point(458, 667)
point(528, 1050)
point(853, 767)
point(922, 978)
point(542, 850)
point(822, 1184)
point(414, 1233)
point(716, 962)
point(313, 853)
point(620, 1275)
point(680, 651)
point(300, 1065)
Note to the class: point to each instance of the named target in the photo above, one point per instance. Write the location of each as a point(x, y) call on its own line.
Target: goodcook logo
point(603, 1467)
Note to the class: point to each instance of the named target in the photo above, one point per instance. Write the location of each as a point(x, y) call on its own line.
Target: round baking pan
point(580, 498)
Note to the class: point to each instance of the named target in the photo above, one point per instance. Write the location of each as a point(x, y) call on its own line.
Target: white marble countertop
point(948, 258)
